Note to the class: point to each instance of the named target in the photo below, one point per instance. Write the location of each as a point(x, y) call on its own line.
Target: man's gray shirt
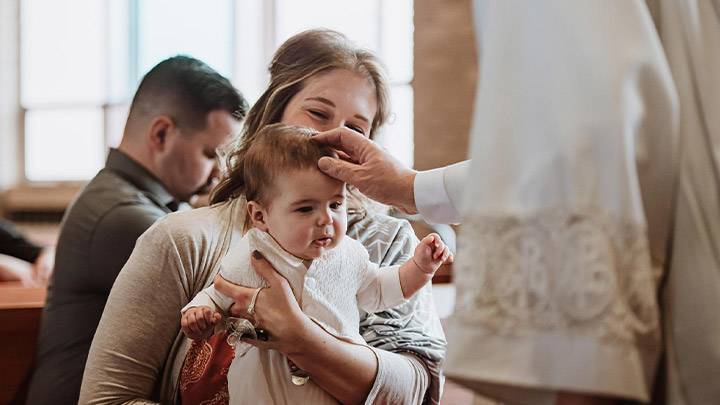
point(97, 235)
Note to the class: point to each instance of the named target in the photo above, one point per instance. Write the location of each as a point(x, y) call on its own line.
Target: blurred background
point(81, 60)
point(68, 69)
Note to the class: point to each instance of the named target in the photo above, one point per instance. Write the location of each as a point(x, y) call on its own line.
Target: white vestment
point(590, 171)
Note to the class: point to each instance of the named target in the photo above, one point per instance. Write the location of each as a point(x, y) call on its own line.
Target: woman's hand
point(344, 370)
point(276, 310)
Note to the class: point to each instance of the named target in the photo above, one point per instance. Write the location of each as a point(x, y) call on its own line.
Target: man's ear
point(158, 131)
point(258, 215)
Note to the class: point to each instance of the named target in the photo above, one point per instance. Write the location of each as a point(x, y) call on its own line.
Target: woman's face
point(333, 99)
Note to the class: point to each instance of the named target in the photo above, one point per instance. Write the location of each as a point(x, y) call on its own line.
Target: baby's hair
point(275, 150)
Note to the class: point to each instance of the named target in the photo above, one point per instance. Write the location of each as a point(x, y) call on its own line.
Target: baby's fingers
point(189, 325)
point(200, 323)
point(439, 249)
point(184, 323)
point(437, 241)
point(447, 256)
point(192, 323)
point(451, 258)
point(211, 317)
point(429, 240)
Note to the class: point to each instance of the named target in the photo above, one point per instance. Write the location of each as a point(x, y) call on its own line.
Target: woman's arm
point(139, 327)
point(345, 370)
point(389, 378)
point(351, 375)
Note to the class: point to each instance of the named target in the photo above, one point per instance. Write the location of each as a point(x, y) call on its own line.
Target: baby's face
point(308, 214)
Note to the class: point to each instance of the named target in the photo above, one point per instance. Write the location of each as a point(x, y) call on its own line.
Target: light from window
point(62, 87)
point(115, 117)
point(396, 135)
point(62, 52)
point(203, 30)
point(63, 144)
point(81, 61)
point(356, 19)
point(117, 50)
point(397, 39)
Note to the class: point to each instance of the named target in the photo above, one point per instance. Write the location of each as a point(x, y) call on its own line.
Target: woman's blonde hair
point(301, 57)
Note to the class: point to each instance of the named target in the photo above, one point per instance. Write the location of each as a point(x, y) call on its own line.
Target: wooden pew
point(20, 314)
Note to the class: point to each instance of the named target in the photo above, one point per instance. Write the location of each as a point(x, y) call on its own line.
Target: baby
point(297, 218)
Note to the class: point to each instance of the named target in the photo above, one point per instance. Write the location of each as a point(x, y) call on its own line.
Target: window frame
point(241, 72)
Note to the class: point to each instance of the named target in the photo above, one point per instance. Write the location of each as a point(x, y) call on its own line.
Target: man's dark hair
point(186, 89)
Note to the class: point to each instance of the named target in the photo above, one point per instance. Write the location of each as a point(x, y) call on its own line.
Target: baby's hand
point(431, 253)
point(198, 323)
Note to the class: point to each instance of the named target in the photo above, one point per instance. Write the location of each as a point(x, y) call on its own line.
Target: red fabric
point(203, 378)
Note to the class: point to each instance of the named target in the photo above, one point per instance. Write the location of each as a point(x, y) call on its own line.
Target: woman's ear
point(258, 215)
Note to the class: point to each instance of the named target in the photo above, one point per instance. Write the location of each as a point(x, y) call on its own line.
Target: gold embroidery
point(221, 397)
point(196, 361)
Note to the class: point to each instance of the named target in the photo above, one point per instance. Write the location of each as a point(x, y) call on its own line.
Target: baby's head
point(288, 196)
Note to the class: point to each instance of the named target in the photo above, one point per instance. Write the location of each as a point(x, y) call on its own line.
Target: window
point(62, 88)
point(81, 60)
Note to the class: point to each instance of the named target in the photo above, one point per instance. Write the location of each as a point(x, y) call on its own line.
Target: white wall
point(9, 99)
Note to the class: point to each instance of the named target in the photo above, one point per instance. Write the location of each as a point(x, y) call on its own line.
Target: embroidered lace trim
point(557, 270)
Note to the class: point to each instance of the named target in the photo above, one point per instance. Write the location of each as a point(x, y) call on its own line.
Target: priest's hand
point(368, 167)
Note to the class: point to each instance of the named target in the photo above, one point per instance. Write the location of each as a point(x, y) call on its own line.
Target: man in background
point(181, 113)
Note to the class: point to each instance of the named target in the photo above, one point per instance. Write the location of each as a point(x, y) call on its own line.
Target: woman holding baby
point(318, 80)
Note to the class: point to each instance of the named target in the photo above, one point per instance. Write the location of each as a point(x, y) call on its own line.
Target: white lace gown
point(331, 291)
point(568, 201)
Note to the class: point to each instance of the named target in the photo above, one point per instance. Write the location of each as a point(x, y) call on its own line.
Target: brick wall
point(444, 81)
